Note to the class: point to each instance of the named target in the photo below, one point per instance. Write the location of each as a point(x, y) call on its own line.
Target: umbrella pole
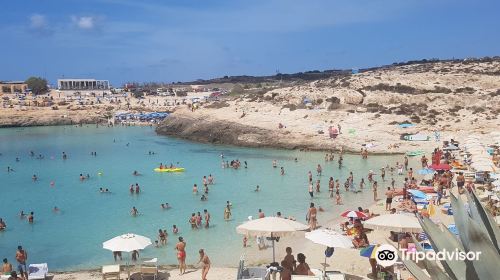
point(274, 256)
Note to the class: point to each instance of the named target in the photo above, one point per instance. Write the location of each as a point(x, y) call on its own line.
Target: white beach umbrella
point(127, 243)
point(329, 238)
point(395, 222)
point(270, 227)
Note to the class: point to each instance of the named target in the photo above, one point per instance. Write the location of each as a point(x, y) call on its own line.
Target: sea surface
point(72, 239)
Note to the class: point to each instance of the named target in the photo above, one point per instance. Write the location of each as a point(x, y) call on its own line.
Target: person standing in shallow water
point(375, 185)
point(311, 216)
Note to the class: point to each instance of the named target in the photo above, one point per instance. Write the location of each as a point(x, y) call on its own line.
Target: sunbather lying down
point(407, 205)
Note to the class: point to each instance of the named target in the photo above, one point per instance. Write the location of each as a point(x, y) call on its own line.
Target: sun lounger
point(149, 267)
point(111, 272)
point(253, 273)
point(334, 275)
point(303, 277)
point(38, 271)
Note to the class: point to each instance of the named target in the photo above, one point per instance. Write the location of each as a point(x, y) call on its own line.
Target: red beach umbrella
point(354, 214)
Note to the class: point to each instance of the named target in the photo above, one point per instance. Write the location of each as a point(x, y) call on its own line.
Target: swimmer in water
point(101, 190)
point(282, 171)
point(34, 178)
point(203, 197)
point(167, 206)
point(64, 156)
point(195, 189)
point(257, 189)
point(275, 164)
point(31, 217)
point(136, 173)
point(17, 159)
point(161, 166)
point(55, 209)
point(134, 211)
point(22, 215)
point(175, 229)
point(82, 177)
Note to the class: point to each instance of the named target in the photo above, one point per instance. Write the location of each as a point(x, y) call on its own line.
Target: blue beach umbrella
point(417, 194)
point(369, 252)
point(425, 171)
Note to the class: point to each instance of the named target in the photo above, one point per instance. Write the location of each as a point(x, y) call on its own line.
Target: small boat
point(175, 169)
point(415, 153)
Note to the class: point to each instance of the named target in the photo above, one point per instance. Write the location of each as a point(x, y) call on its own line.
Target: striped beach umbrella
point(353, 214)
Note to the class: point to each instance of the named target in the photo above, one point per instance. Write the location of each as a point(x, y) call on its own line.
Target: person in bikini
point(181, 255)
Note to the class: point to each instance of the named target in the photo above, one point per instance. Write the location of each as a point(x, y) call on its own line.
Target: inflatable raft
point(177, 169)
point(415, 153)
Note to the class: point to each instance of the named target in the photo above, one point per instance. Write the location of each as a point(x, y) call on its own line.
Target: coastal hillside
point(454, 98)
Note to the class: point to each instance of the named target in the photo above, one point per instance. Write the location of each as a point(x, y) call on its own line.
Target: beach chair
point(303, 277)
point(111, 272)
point(149, 267)
point(38, 271)
point(334, 275)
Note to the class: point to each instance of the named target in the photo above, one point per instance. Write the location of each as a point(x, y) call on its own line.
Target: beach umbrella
point(353, 214)
point(425, 171)
point(272, 227)
point(330, 239)
point(127, 243)
point(395, 222)
point(441, 166)
point(418, 194)
point(369, 252)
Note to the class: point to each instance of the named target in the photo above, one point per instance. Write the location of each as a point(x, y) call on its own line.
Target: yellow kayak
point(176, 169)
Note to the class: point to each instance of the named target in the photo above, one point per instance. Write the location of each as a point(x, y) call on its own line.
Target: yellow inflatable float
point(176, 169)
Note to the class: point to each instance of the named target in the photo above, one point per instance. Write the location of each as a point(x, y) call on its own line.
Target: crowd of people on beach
point(441, 182)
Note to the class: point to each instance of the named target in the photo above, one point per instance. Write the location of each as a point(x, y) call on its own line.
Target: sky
point(184, 40)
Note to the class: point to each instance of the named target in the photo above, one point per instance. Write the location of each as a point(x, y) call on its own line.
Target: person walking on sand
point(389, 195)
point(21, 258)
point(205, 264)
point(181, 255)
point(406, 163)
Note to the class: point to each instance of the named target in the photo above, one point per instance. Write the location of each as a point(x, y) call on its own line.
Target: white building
point(82, 84)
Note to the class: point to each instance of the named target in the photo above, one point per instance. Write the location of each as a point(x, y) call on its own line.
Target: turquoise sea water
point(72, 239)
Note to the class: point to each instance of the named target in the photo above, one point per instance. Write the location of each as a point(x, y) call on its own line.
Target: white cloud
point(38, 22)
point(84, 22)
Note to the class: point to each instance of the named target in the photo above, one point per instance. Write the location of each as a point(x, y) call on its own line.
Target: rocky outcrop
point(47, 118)
point(230, 133)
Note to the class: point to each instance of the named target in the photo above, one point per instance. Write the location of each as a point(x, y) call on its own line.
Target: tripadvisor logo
point(386, 255)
